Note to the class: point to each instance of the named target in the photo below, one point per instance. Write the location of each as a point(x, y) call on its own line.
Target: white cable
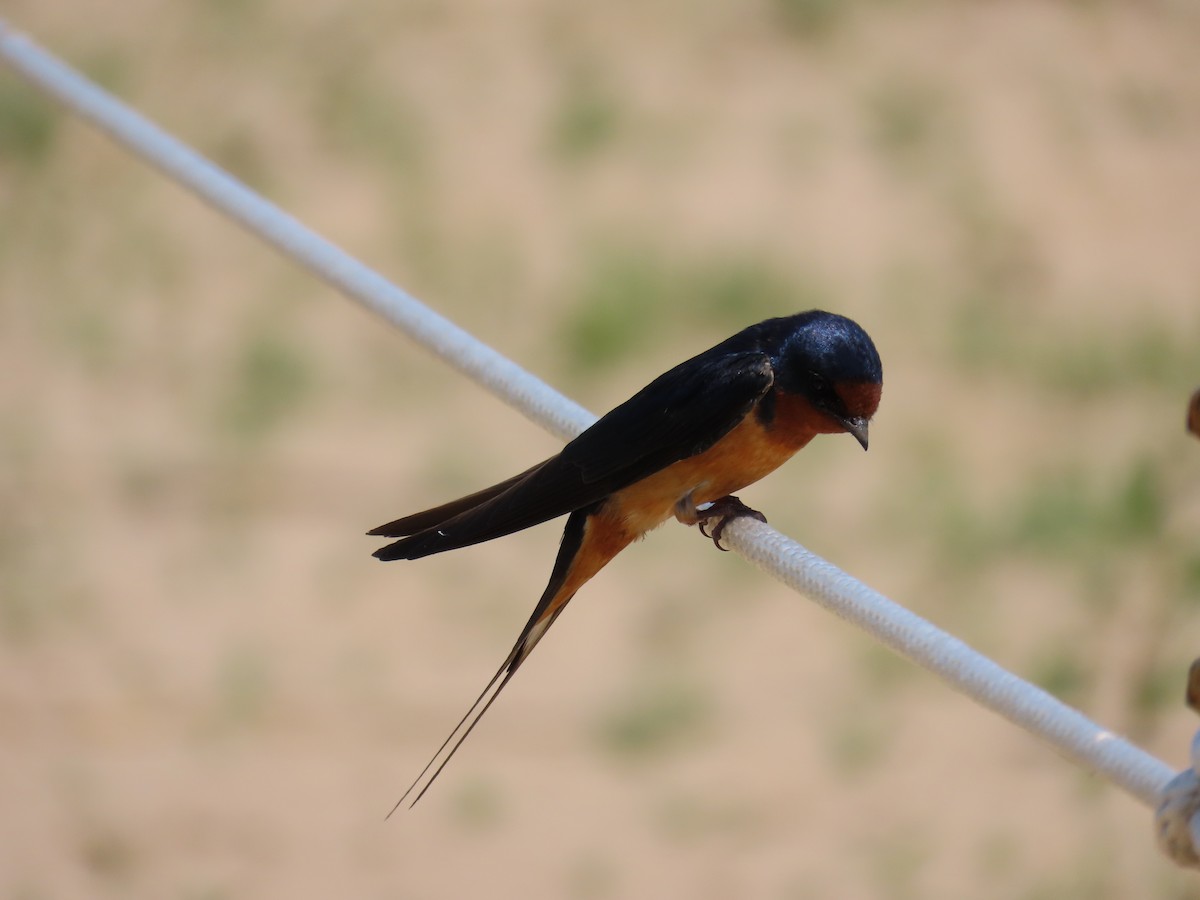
point(472, 357)
point(1029, 707)
point(1072, 734)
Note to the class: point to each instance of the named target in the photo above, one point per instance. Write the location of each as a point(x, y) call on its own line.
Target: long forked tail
point(558, 593)
point(508, 669)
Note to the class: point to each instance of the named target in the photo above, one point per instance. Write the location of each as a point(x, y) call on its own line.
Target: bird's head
point(830, 361)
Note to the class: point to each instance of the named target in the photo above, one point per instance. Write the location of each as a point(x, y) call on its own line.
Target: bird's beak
point(858, 427)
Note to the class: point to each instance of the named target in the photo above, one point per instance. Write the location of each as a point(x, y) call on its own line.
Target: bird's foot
point(726, 509)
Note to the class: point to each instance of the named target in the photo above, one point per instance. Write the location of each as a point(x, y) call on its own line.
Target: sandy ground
point(209, 690)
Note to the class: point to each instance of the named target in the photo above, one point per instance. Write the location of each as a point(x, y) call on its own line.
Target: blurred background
point(210, 691)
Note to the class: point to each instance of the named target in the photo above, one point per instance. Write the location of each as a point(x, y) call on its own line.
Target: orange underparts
point(749, 452)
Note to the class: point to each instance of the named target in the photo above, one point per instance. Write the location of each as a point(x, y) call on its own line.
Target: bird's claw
point(725, 511)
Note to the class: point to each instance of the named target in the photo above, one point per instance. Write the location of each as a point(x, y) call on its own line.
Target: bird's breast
point(751, 450)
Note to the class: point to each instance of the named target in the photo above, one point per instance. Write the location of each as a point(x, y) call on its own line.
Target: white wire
point(1072, 733)
point(968, 671)
point(472, 357)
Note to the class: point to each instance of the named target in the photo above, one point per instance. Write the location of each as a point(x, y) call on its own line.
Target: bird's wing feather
point(430, 518)
point(681, 413)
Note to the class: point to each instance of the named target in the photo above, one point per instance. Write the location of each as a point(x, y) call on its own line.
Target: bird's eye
point(821, 390)
point(821, 385)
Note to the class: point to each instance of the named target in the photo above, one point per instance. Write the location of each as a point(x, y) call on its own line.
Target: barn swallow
point(679, 447)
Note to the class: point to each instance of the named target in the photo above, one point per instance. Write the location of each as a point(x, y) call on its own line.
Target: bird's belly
point(749, 452)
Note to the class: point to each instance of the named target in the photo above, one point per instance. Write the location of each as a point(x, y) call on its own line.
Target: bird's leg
point(726, 509)
point(687, 512)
